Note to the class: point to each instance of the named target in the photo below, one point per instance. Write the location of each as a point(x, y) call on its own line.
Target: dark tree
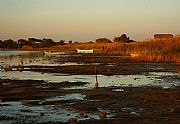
point(103, 40)
point(1, 44)
point(70, 42)
point(48, 42)
point(34, 41)
point(10, 44)
point(23, 42)
point(123, 38)
point(62, 42)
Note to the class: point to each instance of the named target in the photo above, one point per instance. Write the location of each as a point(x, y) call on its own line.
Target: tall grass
point(148, 51)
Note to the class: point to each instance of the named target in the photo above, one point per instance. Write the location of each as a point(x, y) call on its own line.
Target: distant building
point(163, 36)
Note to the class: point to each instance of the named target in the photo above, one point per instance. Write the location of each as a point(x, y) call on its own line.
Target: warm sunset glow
point(86, 20)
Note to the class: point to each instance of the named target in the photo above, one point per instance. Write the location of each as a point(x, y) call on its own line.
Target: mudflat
point(123, 104)
point(38, 101)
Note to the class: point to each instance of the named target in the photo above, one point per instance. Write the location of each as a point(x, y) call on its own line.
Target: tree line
point(33, 42)
point(122, 39)
point(42, 43)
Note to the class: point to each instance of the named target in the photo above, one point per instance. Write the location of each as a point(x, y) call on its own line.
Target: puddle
point(44, 113)
point(165, 79)
point(118, 90)
point(33, 114)
point(75, 96)
point(134, 111)
point(153, 79)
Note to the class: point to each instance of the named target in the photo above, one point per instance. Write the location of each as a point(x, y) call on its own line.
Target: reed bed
point(146, 51)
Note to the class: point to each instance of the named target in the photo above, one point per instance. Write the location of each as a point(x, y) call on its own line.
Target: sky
point(87, 20)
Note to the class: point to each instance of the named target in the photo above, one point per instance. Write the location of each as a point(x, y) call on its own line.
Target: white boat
point(53, 53)
point(85, 51)
point(135, 55)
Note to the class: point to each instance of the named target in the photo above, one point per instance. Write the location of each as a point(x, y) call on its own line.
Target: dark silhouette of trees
point(24, 42)
point(1, 44)
point(70, 42)
point(10, 44)
point(33, 42)
point(40, 43)
point(103, 40)
point(47, 43)
point(123, 38)
point(62, 42)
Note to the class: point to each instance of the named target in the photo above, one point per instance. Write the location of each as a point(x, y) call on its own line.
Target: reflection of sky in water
point(104, 81)
point(165, 79)
point(32, 114)
point(55, 113)
point(74, 96)
point(16, 57)
point(58, 113)
point(37, 58)
point(30, 58)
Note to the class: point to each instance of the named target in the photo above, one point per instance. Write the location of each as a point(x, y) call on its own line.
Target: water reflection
point(56, 113)
point(33, 114)
point(20, 57)
point(153, 79)
point(37, 58)
point(30, 58)
point(74, 96)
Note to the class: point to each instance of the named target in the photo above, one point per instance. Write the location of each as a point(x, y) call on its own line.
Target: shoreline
point(122, 104)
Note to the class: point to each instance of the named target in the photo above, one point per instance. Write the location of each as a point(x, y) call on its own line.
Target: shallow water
point(57, 113)
point(45, 113)
point(33, 114)
point(20, 57)
point(74, 96)
point(165, 79)
point(153, 79)
point(30, 58)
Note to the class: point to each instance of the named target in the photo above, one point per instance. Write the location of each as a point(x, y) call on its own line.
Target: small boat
point(50, 53)
point(85, 51)
point(134, 55)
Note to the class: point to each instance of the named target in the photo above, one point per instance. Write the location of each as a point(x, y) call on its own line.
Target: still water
point(32, 114)
point(37, 58)
point(28, 58)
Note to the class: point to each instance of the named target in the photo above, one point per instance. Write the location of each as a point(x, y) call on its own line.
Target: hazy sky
point(86, 20)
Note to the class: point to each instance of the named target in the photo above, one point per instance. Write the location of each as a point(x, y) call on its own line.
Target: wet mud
point(130, 105)
point(105, 69)
point(39, 101)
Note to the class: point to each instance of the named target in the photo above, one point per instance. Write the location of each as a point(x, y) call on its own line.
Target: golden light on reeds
point(148, 51)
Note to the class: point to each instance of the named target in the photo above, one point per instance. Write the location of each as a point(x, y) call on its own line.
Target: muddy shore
point(127, 104)
point(104, 69)
point(131, 105)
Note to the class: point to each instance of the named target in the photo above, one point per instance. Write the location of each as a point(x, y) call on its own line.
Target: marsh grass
point(147, 51)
